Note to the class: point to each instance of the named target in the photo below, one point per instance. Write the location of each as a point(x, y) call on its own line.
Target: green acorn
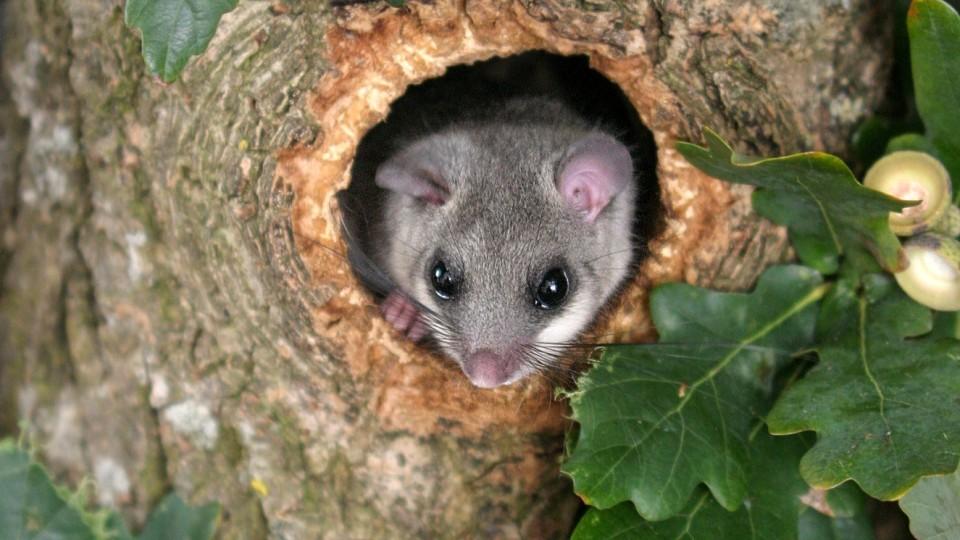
point(932, 277)
point(916, 176)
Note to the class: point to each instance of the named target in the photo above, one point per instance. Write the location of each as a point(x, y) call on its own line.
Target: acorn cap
point(932, 277)
point(912, 176)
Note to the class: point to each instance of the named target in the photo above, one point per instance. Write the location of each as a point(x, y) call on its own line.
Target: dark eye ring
point(445, 283)
point(552, 290)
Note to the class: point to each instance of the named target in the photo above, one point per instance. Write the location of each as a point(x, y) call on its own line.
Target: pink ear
point(416, 183)
point(596, 169)
point(412, 172)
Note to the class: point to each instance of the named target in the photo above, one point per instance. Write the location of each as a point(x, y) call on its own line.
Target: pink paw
point(403, 315)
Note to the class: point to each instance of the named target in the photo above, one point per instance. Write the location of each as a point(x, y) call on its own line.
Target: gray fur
point(503, 225)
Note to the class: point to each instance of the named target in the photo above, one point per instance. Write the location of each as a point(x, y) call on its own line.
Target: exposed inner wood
point(378, 54)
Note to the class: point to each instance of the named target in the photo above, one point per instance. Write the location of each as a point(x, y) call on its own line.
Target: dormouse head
point(511, 237)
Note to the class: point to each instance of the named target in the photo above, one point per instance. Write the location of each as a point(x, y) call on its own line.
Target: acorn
point(932, 277)
point(916, 176)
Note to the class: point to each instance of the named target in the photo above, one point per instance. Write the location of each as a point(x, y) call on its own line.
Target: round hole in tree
point(504, 262)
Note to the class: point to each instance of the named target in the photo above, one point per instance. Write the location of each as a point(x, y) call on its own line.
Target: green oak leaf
point(884, 401)
point(621, 521)
point(933, 506)
point(173, 518)
point(773, 507)
point(848, 519)
point(814, 195)
point(116, 529)
point(816, 526)
point(870, 139)
point(934, 29)
point(174, 30)
point(946, 324)
point(658, 420)
point(32, 507)
point(816, 251)
point(911, 141)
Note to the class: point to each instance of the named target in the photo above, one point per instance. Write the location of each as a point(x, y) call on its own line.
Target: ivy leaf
point(174, 30)
point(884, 402)
point(933, 506)
point(173, 518)
point(934, 29)
point(815, 195)
point(772, 510)
point(657, 420)
point(32, 507)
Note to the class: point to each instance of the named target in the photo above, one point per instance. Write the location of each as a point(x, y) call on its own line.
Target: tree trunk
point(174, 311)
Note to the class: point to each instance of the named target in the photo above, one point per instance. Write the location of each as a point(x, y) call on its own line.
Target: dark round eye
point(445, 283)
point(552, 290)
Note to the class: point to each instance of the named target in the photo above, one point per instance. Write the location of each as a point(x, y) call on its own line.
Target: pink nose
point(488, 369)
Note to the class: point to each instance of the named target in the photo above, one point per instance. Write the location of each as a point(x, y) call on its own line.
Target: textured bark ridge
point(175, 311)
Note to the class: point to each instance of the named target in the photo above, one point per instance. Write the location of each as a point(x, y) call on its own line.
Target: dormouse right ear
point(413, 172)
point(595, 170)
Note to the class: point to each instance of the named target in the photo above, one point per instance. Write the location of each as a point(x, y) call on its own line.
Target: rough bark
point(173, 309)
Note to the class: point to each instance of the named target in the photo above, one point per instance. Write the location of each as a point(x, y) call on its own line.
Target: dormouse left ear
point(595, 169)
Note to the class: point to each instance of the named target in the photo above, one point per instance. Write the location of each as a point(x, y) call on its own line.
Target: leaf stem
point(813, 296)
